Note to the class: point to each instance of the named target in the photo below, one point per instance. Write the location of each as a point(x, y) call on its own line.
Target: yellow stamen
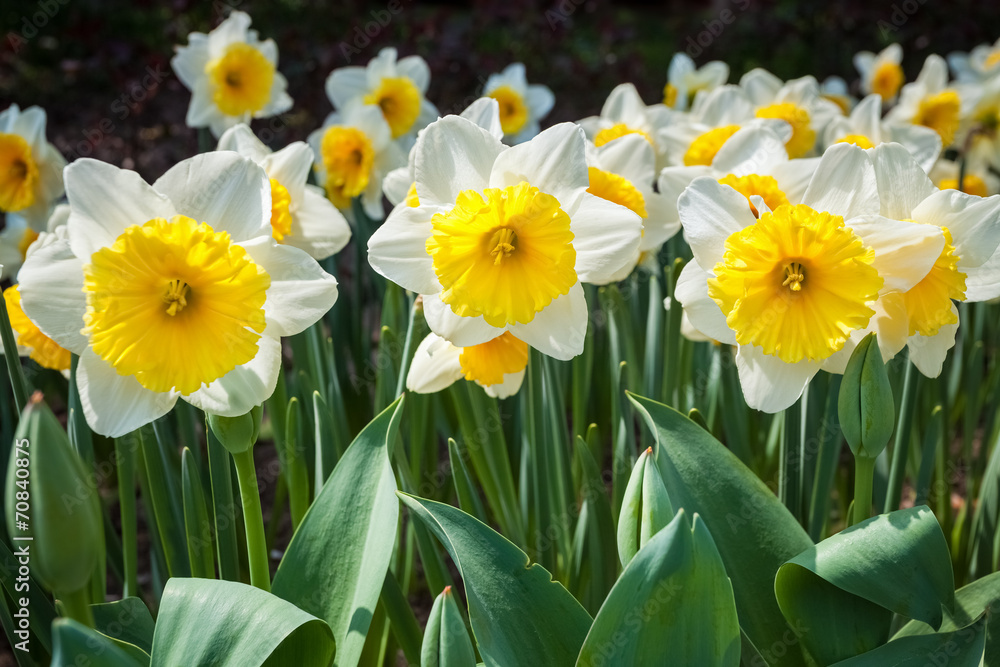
point(703, 149)
point(348, 157)
point(803, 136)
point(513, 110)
point(399, 98)
point(281, 214)
point(18, 173)
point(887, 80)
point(765, 187)
point(175, 296)
point(489, 362)
point(241, 80)
point(617, 189)
point(42, 349)
point(940, 113)
point(504, 253)
point(619, 130)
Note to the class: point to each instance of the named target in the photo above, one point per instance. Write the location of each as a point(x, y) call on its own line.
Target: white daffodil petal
point(114, 404)
point(52, 294)
point(844, 183)
point(560, 329)
point(554, 162)
point(453, 154)
point(710, 212)
point(460, 331)
point(317, 226)
point(972, 221)
point(398, 249)
point(902, 183)
point(904, 251)
point(241, 139)
point(704, 313)
point(928, 353)
point(485, 112)
point(510, 385)
point(239, 390)
point(435, 366)
point(606, 238)
point(982, 283)
point(770, 384)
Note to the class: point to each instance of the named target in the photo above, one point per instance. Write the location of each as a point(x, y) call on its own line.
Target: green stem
point(125, 461)
point(864, 476)
point(901, 448)
point(76, 605)
point(790, 481)
point(13, 360)
point(246, 474)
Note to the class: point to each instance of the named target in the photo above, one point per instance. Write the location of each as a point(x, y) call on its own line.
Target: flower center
point(971, 185)
point(617, 189)
point(619, 130)
point(174, 304)
point(348, 157)
point(703, 149)
point(803, 136)
point(399, 99)
point(513, 110)
point(45, 351)
point(18, 173)
point(504, 253)
point(489, 362)
point(281, 214)
point(940, 113)
point(928, 303)
point(887, 80)
point(765, 187)
point(241, 80)
point(856, 139)
point(762, 290)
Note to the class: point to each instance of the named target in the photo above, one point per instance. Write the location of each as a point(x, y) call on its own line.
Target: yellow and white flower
point(978, 179)
point(503, 237)
point(301, 215)
point(865, 128)
point(790, 287)
point(18, 237)
point(983, 120)
point(354, 151)
point(171, 290)
point(925, 318)
point(30, 167)
point(497, 365)
point(623, 113)
point(796, 102)
point(521, 105)
point(695, 138)
point(396, 87)
point(232, 76)
point(685, 80)
point(978, 66)
point(882, 73)
point(622, 171)
point(930, 101)
point(834, 89)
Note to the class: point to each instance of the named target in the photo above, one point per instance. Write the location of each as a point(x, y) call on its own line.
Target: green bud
point(446, 641)
point(645, 508)
point(237, 434)
point(50, 498)
point(865, 404)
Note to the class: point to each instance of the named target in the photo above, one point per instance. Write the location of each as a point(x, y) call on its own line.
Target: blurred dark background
point(102, 70)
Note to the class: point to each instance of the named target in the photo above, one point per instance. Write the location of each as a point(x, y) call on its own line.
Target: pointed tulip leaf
point(75, 644)
point(127, 621)
point(519, 615)
point(959, 648)
point(337, 560)
point(645, 508)
point(446, 641)
point(753, 531)
point(229, 624)
point(672, 605)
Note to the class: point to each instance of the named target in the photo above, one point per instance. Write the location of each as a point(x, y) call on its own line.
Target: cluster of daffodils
point(813, 216)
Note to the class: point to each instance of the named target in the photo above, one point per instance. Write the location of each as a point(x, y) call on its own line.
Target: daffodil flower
point(171, 290)
point(685, 80)
point(354, 151)
point(621, 171)
point(30, 167)
point(930, 101)
point(398, 185)
point(834, 89)
point(882, 73)
point(925, 318)
point(695, 138)
point(790, 287)
point(397, 88)
point(497, 365)
point(978, 66)
point(521, 105)
point(18, 237)
point(978, 179)
point(503, 237)
point(984, 121)
point(232, 76)
point(623, 113)
point(301, 215)
point(865, 128)
point(796, 102)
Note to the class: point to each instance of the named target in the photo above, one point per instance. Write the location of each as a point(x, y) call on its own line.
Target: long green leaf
point(959, 648)
point(519, 615)
point(446, 641)
point(338, 557)
point(126, 620)
point(76, 644)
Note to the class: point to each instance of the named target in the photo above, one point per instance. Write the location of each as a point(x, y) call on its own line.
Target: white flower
point(497, 365)
point(354, 151)
point(685, 80)
point(865, 128)
point(301, 215)
point(797, 102)
point(30, 167)
point(232, 76)
point(978, 179)
point(792, 287)
point(881, 74)
point(396, 88)
point(978, 66)
point(983, 121)
point(624, 112)
point(503, 237)
point(522, 106)
point(18, 238)
point(174, 290)
point(930, 102)
point(834, 88)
